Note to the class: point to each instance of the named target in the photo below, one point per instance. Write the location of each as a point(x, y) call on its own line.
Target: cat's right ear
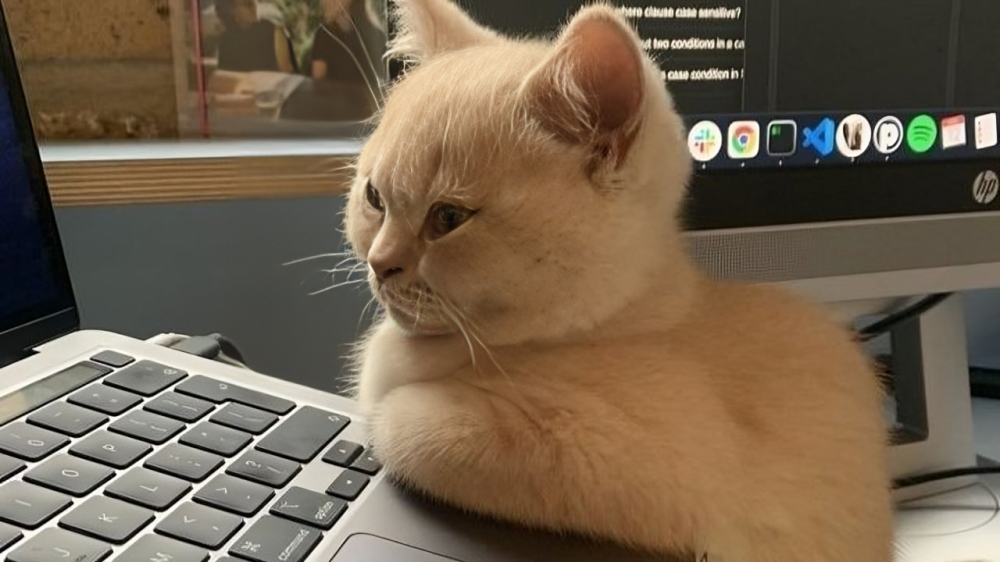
point(425, 28)
point(590, 90)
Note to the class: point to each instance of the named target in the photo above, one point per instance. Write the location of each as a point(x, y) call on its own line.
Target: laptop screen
point(33, 282)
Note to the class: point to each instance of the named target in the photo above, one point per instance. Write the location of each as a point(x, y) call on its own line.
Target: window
point(166, 100)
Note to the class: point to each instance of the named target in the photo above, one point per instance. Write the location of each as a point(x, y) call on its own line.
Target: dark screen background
point(879, 55)
point(811, 55)
point(26, 277)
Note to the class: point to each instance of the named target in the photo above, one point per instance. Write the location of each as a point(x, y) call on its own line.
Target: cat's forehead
point(451, 118)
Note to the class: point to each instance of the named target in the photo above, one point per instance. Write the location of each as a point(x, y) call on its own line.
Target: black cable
point(883, 326)
point(916, 480)
point(214, 346)
point(201, 346)
point(228, 347)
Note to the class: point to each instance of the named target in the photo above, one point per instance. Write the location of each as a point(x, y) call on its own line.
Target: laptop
point(113, 448)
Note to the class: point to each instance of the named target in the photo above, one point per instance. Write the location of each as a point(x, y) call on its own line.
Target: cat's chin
point(410, 325)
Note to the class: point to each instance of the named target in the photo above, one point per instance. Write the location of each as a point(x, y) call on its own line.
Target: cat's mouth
point(415, 309)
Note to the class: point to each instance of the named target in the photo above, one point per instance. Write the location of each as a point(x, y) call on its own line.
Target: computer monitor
point(848, 149)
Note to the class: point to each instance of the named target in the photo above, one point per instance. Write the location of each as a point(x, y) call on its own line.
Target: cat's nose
point(384, 271)
point(385, 264)
point(392, 253)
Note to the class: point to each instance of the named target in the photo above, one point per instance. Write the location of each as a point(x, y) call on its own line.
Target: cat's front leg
point(485, 453)
point(390, 359)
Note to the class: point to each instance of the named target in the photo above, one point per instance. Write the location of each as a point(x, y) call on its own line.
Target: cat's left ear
point(590, 89)
point(430, 27)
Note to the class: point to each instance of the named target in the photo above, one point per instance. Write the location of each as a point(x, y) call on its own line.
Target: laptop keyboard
point(174, 464)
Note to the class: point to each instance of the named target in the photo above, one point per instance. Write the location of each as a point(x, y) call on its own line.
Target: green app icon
point(921, 133)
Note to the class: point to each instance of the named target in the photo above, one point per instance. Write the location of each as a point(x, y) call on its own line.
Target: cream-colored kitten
point(551, 356)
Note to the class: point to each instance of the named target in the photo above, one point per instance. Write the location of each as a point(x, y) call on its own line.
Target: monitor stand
point(955, 520)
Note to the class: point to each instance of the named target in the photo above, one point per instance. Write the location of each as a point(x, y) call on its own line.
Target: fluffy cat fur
point(552, 356)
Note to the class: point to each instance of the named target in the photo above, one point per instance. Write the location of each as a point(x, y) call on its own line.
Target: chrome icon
point(744, 140)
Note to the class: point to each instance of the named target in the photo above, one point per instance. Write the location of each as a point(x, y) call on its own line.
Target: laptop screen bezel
point(58, 315)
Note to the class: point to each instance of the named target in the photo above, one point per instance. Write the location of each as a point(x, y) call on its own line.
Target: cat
point(548, 352)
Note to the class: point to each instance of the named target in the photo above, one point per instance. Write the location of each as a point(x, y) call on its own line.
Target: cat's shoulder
point(758, 321)
point(760, 303)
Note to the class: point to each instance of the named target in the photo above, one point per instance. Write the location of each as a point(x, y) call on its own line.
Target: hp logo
point(986, 186)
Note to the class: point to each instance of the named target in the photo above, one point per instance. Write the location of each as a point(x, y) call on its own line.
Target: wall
point(203, 268)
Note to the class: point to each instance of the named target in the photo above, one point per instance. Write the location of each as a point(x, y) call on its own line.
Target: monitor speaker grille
point(811, 251)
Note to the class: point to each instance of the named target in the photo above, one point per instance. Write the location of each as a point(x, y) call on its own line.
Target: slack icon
point(820, 138)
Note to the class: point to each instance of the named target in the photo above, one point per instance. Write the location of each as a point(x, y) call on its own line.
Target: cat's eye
point(444, 218)
point(374, 199)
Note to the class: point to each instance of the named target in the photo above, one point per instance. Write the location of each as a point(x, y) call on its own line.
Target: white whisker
point(371, 64)
point(336, 286)
point(469, 331)
point(318, 257)
point(357, 64)
point(364, 312)
point(344, 269)
point(461, 327)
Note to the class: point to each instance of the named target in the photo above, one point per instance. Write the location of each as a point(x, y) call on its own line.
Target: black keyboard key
point(147, 426)
point(67, 418)
point(29, 506)
point(9, 535)
point(154, 548)
point(9, 466)
point(309, 507)
point(112, 359)
point(238, 416)
point(179, 406)
point(29, 442)
point(108, 448)
point(264, 469)
point(343, 453)
point(216, 438)
point(107, 519)
point(104, 398)
point(219, 392)
point(302, 435)
point(148, 488)
point(276, 540)
point(145, 378)
point(200, 525)
point(367, 463)
point(348, 485)
point(185, 462)
point(59, 545)
point(234, 494)
point(70, 475)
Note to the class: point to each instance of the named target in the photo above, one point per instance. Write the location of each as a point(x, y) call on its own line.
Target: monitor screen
point(812, 111)
point(32, 279)
point(766, 83)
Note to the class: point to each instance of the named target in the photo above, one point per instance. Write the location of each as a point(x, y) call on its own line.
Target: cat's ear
point(590, 89)
point(425, 28)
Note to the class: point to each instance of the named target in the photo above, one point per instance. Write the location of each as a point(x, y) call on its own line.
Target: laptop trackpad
point(369, 548)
